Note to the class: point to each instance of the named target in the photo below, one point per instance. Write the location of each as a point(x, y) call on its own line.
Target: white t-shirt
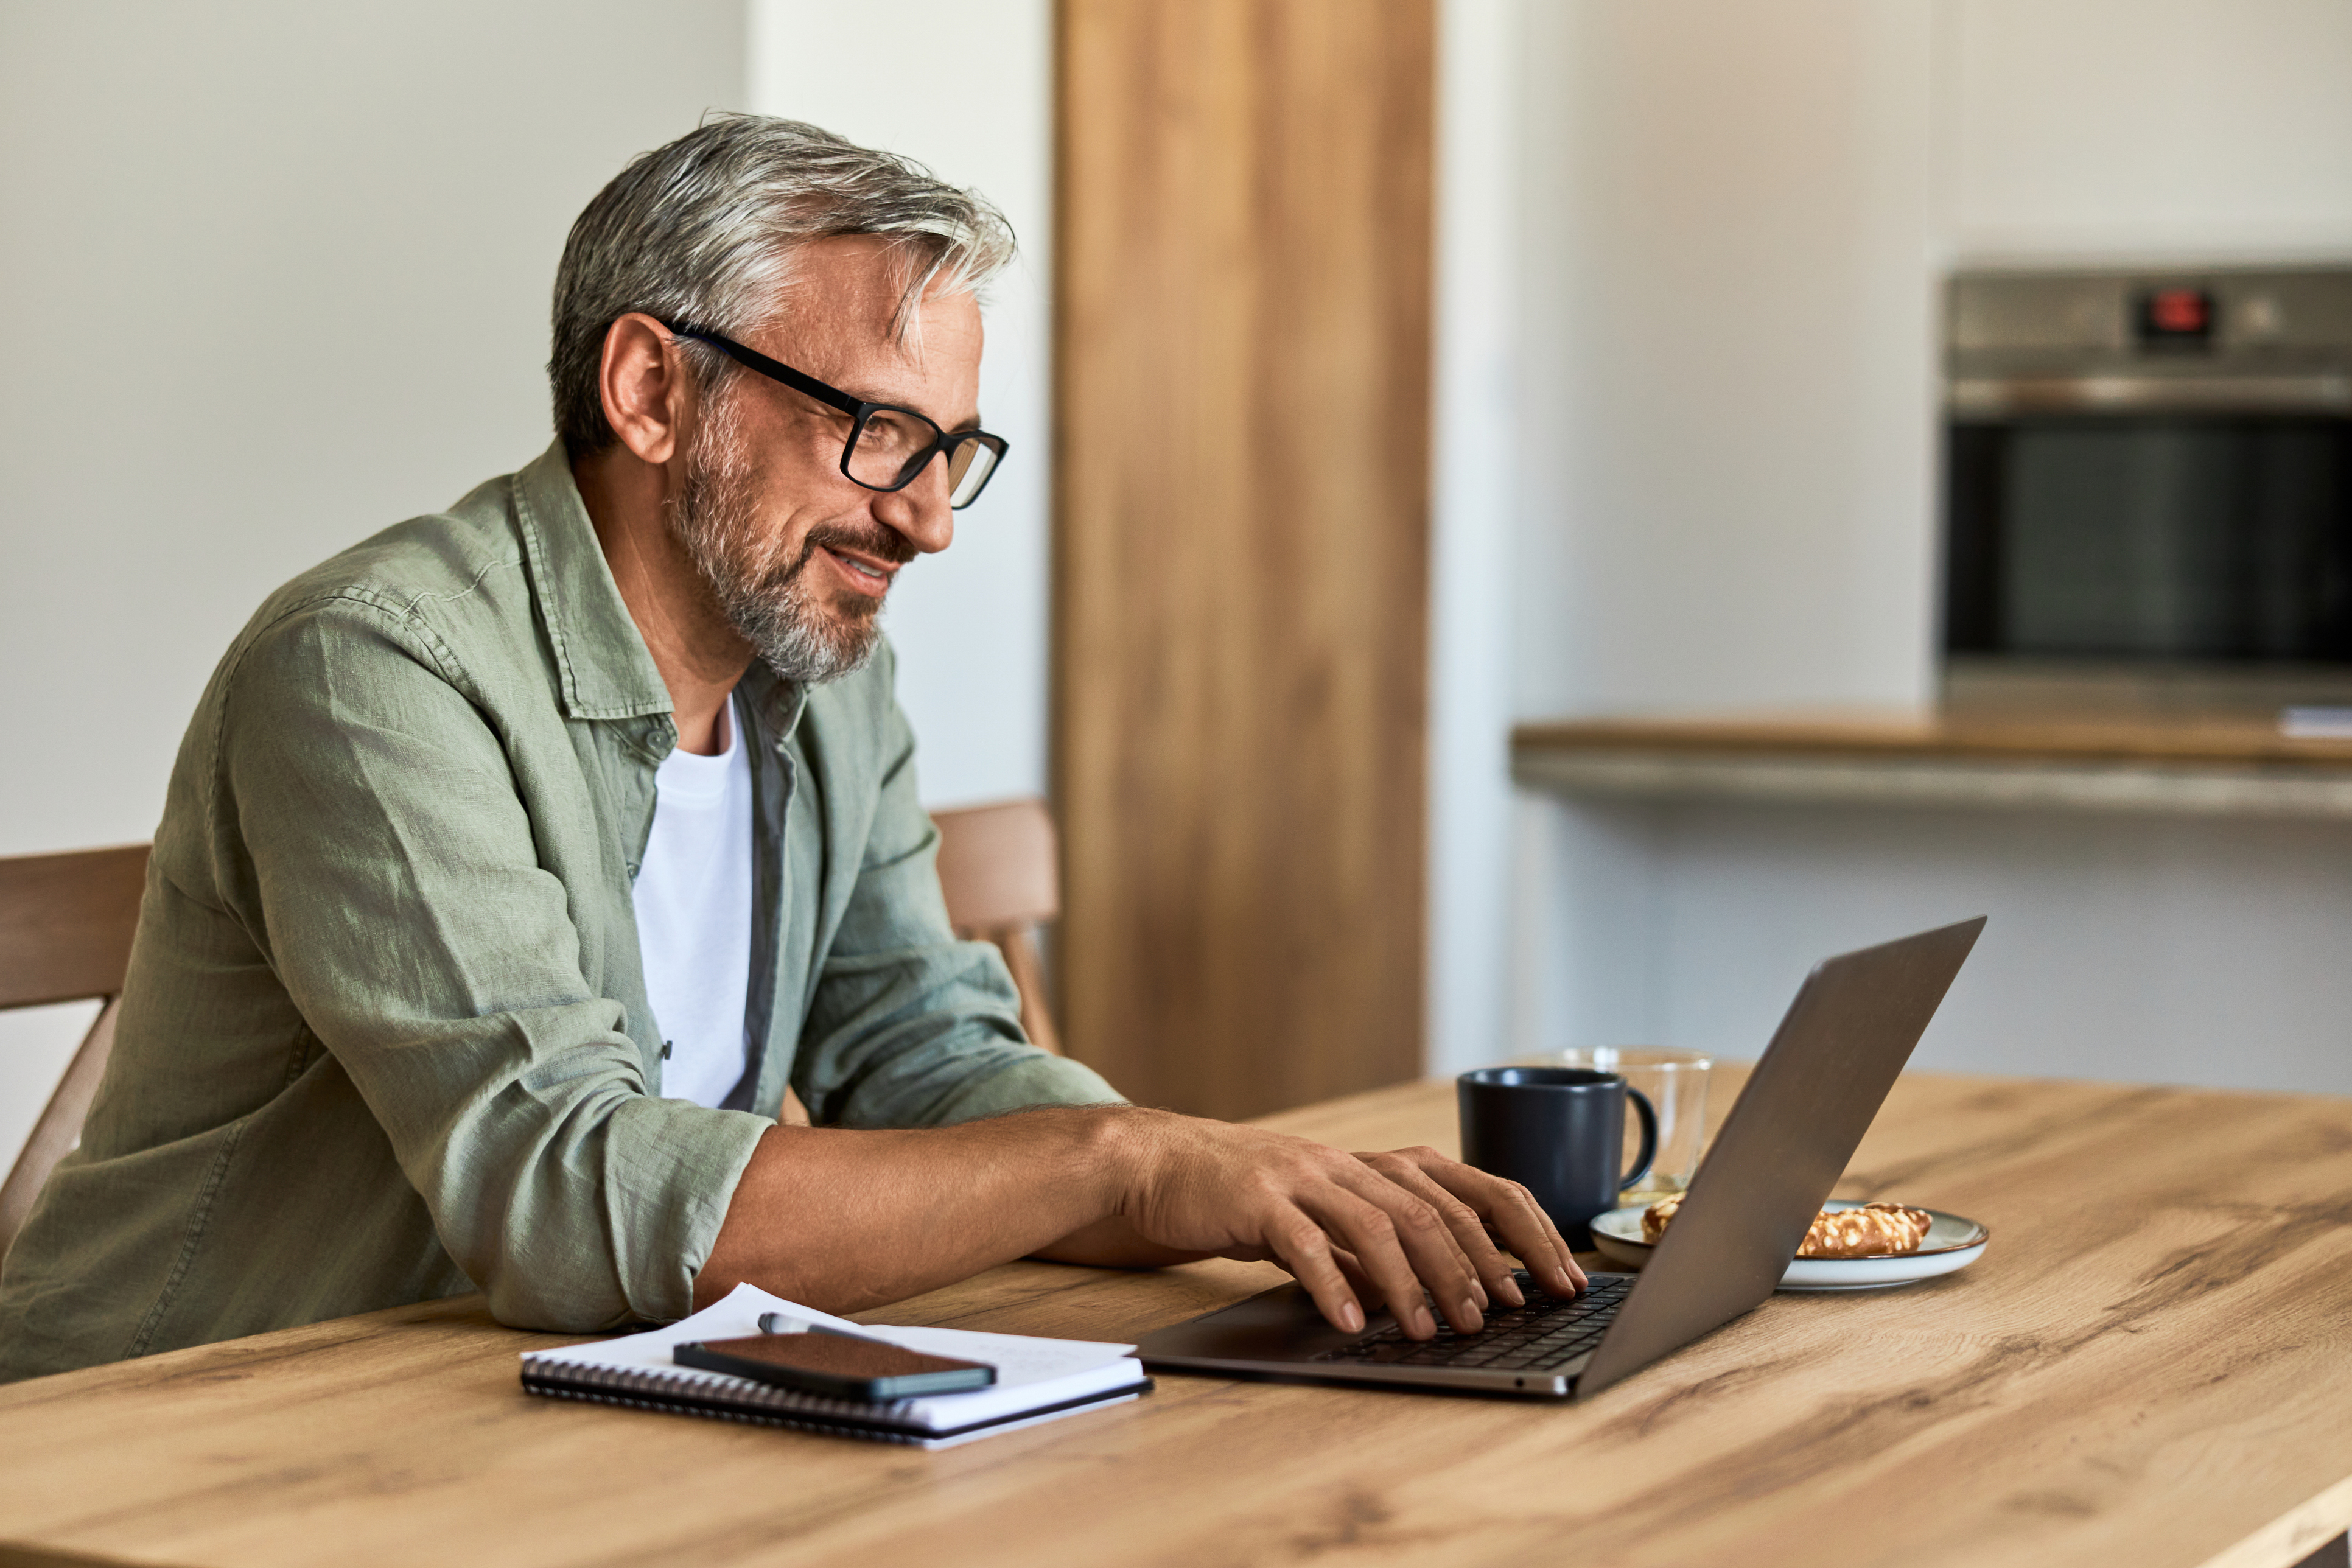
point(693, 897)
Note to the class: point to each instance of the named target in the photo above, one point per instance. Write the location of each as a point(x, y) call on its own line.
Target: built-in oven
point(2149, 472)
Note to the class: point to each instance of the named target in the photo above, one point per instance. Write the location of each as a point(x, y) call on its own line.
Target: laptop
point(1779, 1153)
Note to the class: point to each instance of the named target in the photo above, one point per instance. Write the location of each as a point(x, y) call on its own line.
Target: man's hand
point(1351, 1227)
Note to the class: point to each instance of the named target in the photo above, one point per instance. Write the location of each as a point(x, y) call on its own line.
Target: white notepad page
point(1030, 1372)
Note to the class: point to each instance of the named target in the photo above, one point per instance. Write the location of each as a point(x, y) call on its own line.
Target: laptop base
point(1279, 1334)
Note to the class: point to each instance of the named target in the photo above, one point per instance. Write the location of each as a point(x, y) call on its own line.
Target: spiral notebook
point(1037, 1379)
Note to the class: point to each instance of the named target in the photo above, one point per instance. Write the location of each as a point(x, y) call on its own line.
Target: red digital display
point(2176, 314)
point(2179, 310)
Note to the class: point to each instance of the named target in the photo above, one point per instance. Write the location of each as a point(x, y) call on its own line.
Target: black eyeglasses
point(889, 445)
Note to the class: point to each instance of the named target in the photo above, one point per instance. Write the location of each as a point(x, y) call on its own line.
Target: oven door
point(2168, 535)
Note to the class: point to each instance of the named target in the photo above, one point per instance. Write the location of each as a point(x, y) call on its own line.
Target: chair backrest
point(998, 865)
point(66, 925)
point(1000, 869)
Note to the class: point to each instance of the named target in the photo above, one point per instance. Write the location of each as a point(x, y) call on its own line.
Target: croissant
point(1873, 1230)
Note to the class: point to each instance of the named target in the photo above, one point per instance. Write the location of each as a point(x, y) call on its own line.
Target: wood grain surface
point(2036, 735)
point(2152, 1365)
point(1242, 434)
point(66, 924)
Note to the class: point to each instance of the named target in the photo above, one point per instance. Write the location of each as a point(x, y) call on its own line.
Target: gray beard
point(770, 604)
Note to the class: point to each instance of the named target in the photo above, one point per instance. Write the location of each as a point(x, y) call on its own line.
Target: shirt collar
point(776, 704)
point(607, 671)
point(604, 666)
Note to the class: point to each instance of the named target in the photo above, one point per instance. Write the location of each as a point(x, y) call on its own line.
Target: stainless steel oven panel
point(2062, 317)
point(1996, 314)
point(1990, 397)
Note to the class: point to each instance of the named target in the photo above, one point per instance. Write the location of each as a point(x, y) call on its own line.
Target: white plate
point(1952, 1243)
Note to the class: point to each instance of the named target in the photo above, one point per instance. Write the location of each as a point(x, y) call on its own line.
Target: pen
point(777, 1323)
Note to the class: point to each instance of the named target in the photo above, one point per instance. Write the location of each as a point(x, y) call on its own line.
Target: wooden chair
point(66, 924)
point(1000, 866)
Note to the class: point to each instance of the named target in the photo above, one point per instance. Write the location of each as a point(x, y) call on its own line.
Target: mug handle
point(1649, 1136)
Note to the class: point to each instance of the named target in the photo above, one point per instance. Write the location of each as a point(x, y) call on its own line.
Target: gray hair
point(701, 233)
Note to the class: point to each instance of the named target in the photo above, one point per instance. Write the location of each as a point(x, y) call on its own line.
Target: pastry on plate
point(1873, 1230)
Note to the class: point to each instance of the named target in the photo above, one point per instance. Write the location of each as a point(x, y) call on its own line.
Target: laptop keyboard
point(1545, 1334)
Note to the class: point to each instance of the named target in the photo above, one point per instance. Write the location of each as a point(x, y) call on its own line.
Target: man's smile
point(863, 573)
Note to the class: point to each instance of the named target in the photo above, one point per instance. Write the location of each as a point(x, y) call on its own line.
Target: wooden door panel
point(1241, 484)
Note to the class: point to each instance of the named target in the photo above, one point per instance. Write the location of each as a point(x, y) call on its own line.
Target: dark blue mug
point(1560, 1134)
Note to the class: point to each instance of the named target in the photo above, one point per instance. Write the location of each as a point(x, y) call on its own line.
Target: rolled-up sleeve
point(389, 871)
point(908, 1026)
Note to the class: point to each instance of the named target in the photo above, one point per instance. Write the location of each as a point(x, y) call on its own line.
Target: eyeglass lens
point(886, 445)
point(969, 466)
point(892, 444)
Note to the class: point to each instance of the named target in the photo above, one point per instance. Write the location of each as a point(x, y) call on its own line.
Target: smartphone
point(841, 1366)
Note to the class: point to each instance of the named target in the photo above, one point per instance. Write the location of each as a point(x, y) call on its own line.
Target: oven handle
point(2310, 393)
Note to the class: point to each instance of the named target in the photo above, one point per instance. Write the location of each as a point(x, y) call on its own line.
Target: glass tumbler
point(1675, 1081)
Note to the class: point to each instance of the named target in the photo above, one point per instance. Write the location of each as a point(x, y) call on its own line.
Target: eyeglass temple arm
point(774, 370)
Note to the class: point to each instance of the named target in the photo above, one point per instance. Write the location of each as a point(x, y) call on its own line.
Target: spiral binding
point(721, 1413)
point(727, 1398)
point(759, 1404)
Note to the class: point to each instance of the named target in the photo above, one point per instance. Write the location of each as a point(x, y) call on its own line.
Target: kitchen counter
point(2198, 764)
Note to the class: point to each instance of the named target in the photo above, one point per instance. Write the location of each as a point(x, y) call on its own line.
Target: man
point(519, 858)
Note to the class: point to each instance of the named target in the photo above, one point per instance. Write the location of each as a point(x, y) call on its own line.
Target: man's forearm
point(842, 1220)
point(839, 1219)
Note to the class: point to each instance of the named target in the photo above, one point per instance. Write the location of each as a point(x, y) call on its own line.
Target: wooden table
point(2152, 1365)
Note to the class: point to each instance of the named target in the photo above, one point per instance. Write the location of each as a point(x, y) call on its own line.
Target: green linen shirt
point(385, 1036)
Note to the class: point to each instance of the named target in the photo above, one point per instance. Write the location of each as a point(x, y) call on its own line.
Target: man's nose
point(919, 511)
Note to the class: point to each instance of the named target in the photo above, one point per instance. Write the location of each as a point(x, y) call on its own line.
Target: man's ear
point(647, 390)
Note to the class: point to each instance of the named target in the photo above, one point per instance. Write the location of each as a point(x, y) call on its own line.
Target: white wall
point(278, 276)
point(1474, 495)
point(2211, 129)
point(1730, 328)
point(970, 93)
point(1753, 205)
